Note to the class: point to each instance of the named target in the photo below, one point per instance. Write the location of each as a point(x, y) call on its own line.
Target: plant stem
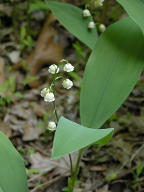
point(74, 175)
point(57, 118)
point(74, 172)
point(71, 164)
point(55, 111)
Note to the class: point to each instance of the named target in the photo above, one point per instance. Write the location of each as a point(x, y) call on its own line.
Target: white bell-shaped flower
point(102, 28)
point(63, 61)
point(44, 91)
point(52, 126)
point(91, 25)
point(67, 83)
point(49, 97)
point(53, 69)
point(68, 67)
point(86, 13)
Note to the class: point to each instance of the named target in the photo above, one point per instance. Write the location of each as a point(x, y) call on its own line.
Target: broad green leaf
point(12, 170)
point(111, 72)
point(72, 19)
point(1, 190)
point(70, 137)
point(135, 9)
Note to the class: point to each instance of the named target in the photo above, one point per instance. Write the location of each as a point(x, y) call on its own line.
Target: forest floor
point(29, 43)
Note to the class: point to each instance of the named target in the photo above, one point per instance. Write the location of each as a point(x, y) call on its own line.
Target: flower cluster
point(48, 93)
point(91, 24)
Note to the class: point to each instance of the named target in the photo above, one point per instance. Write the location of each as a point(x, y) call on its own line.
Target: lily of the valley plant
point(111, 72)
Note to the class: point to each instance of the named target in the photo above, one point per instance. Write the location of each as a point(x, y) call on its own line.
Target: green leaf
point(23, 32)
point(135, 9)
point(12, 170)
point(72, 19)
point(36, 6)
point(1, 190)
point(70, 137)
point(139, 169)
point(111, 72)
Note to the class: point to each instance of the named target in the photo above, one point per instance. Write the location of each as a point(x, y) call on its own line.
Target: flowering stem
point(71, 164)
point(55, 111)
point(57, 118)
point(75, 171)
point(73, 178)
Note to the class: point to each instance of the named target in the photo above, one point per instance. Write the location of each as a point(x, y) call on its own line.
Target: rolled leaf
point(12, 170)
point(111, 72)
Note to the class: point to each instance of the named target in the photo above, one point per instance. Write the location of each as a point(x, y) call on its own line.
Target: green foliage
point(135, 9)
point(80, 51)
point(111, 72)
point(112, 176)
point(36, 6)
point(4, 101)
point(139, 169)
point(29, 79)
point(12, 170)
point(25, 39)
point(76, 137)
point(72, 19)
point(8, 88)
point(9, 85)
point(1, 190)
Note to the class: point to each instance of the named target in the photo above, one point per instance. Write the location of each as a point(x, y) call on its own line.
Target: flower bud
point(63, 61)
point(86, 13)
point(102, 28)
point(51, 126)
point(68, 67)
point(49, 97)
point(67, 84)
point(53, 69)
point(99, 3)
point(44, 92)
point(91, 25)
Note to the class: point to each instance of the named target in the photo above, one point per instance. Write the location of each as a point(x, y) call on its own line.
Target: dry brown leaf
point(98, 168)
point(22, 119)
point(103, 189)
point(47, 50)
point(44, 164)
point(6, 9)
point(4, 127)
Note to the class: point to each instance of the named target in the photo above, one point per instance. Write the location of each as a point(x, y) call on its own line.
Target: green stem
point(55, 111)
point(71, 164)
point(74, 173)
point(57, 118)
point(73, 178)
